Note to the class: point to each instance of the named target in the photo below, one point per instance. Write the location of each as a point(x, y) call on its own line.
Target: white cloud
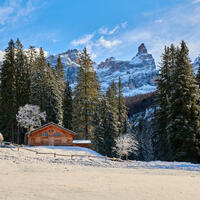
point(14, 10)
point(83, 40)
point(105, 31)
point(108, 43)
point(158, 21)
point(124, 24)
point(195, 1)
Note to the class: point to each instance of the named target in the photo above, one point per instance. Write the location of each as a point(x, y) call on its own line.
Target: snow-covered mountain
point(196, 64)
point(137, 75)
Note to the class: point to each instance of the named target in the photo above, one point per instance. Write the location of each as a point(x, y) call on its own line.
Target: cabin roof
point(52, 123)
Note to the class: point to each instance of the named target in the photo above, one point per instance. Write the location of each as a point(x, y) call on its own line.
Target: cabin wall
point(51, 136)
point(82, 145)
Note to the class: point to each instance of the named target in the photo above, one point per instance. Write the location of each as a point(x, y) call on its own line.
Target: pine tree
point(8, 91)
point(21, 82)
point(123, 124)
point(60, 68)
point(67, 107)
point(162, 100)
point(22, 73)
point(32, 69)
point(86, 96)
point(50, 95)
point(109, 125)
point(39, 79)
point(98, 135)
point(184, 121)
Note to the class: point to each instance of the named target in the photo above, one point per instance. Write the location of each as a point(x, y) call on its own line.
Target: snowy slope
point(24, 156)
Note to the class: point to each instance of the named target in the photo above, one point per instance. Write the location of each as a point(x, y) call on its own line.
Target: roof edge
point(52, 123)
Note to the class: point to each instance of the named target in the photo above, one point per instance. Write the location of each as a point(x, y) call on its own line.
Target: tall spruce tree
point(22, 76)
point(60, 68)
point(8, 93)
point(39, 79)
point(184, 117)
point(32, 69)
point(67, 107)
point(51, 98)
point(98, 135)
point(86, 97)
point(122, 117)
point(109, 125)
point(162, 101)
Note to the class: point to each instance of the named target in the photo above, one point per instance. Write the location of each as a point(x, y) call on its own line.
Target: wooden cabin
point(53, 134)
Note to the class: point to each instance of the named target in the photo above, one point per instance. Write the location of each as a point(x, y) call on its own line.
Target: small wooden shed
point(53, 134)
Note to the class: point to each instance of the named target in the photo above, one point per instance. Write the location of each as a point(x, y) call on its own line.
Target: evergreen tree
point(39, 79)
point(32, 69)
point(162, 100)
point(86, 96)
point(109, 125)
point(51, 98)
point(60, 68)
point(8, 91)
point(67, 107)
point(98, 136)
point(123, 124)
point(22, 76)
point(184, 121)
point(21, 82)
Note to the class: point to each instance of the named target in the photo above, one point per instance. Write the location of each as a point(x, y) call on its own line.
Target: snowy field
point(27, 175)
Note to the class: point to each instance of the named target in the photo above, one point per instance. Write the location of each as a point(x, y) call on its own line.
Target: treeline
point(27, 78)
point(177, 114)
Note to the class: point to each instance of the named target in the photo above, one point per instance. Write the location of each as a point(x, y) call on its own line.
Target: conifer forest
point(168, 130)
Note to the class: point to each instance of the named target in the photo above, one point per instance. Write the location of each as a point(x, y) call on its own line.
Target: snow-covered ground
point(27, 175)
point(83, 160)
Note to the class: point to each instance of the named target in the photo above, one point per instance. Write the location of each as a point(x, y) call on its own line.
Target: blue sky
point(106, 27)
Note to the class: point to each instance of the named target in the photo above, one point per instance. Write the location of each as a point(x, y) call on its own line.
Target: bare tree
point(124, 145)
point(30, 117)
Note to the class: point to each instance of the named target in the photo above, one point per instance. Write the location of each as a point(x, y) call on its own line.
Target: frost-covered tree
point(29, 116)
point(124, 145)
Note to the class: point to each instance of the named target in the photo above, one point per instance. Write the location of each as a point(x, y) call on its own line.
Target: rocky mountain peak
point(142, 49)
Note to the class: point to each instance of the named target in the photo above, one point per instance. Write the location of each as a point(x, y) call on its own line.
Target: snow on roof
point(81, 141)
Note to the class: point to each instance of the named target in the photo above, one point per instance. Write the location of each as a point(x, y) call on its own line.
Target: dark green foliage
point(67, 107)
point(184, 117)
point(39, 79)
point(109, 125)
point(178, 113)
point(98, 135)
point(86, 97)
point(26, 78)
point(123, 124)
point(60, 68)
point(8, 92)
point(162, 101)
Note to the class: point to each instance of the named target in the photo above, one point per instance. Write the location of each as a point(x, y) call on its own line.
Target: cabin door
point(51, 141)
